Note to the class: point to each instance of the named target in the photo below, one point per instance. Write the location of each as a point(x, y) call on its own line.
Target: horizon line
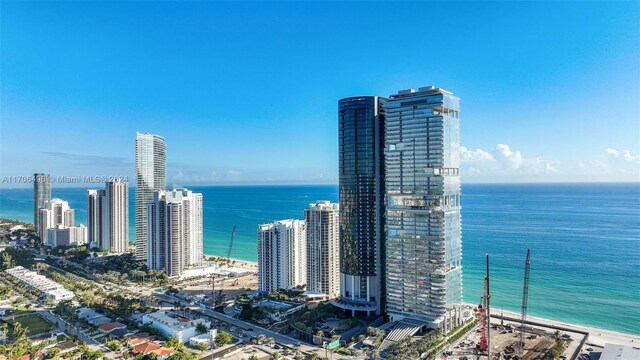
point(337, 184)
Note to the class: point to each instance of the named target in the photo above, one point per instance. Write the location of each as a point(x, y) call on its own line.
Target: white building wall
point(174, 223)
point(323, 248)
point(116, 213)
point(170, 327)
point(56, 212)
point(282, 253)
point(150, 177)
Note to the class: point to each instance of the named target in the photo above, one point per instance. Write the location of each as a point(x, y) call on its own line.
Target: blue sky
point(247, 92)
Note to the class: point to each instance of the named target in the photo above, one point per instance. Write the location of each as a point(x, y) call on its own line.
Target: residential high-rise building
point(55, 213)
point(174, 237)
point(117, 219)
point(323, 248)
point(67, 236)
point(151, 159)
point(361, 184)
point(108, 217)
point(41, 194)
point(282, 255)
point(95, 218)
point(422, 186)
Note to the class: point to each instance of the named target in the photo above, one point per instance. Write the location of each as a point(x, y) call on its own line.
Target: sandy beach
point(245, 264)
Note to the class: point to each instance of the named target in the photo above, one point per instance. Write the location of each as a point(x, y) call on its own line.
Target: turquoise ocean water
point(584, 239)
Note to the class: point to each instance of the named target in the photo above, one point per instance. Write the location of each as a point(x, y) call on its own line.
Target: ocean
point(584, 240)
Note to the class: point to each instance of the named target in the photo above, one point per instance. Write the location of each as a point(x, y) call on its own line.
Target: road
point(254, 330)
point(67, 328)
point(281, 339)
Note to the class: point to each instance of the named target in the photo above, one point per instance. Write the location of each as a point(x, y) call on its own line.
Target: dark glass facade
point(41, 194)
point(361, 126)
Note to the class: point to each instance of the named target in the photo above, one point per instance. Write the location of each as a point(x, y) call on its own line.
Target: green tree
point(113, 345)
point(201, 328)
point(171, 342)
point(21, 344)
point(6, 261)
point(202, 347)
point(223, 338)
point(253, 357)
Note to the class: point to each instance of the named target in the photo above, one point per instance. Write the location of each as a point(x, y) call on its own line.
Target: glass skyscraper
point(151, 173)
point(361, 177)
point(422, 222)
point(41, 194)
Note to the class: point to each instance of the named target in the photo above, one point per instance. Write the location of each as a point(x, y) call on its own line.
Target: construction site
point(513, 336)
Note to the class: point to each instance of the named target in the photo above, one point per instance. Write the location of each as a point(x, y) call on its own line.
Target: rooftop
point(110, 326)
point(171, 320)
point(619, 352)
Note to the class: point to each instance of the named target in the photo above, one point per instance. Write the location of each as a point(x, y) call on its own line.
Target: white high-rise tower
point(323, 248)
point(151, 173)
point(55, 213)
point(174, 237)
point(108, 217)
point(282, 255)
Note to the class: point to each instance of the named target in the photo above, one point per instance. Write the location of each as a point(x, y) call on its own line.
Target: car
point(589, 349)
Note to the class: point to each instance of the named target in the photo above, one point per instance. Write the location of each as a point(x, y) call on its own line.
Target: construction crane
point(525, 299)
point(484, 313)
point(213, 278)
point(233, 235)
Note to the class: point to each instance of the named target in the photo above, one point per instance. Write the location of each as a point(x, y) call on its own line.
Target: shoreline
point(598, 337)
point(253, 265)
point(606, 335)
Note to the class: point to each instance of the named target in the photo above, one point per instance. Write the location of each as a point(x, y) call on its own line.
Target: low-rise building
point(99, 321)
point(141, 338)
point(278, 310)
point(152, 348)
point(47, 287)
point(173, 325)
point(88, 313)
point(110, 326)
point(208, 338)
point(66, 346)
point(4, 309)
point(67, 235)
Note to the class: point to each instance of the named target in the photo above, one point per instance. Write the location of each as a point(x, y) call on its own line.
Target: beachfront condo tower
point(95, 217)
point(282, 255)
point(41, 194)
point(55, 213)
point(422, 222)
point(323, 248)
point(174, 231)
point(108, 217)
point(151, 173)
point(361, 186)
